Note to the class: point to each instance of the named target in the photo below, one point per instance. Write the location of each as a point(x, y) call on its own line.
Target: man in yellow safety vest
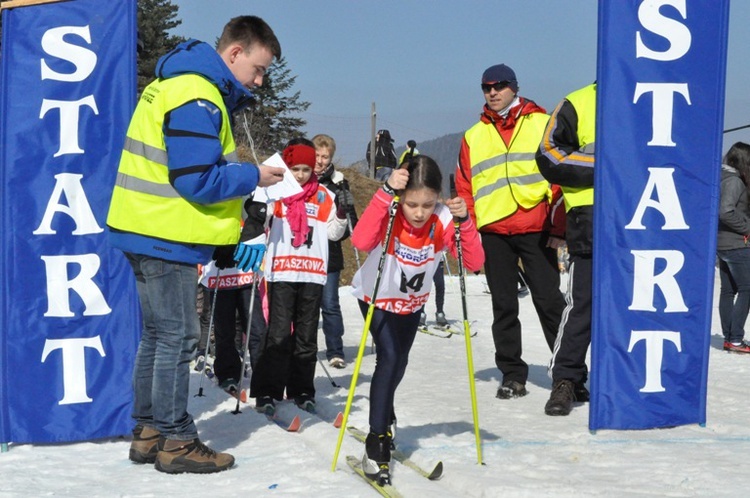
point(512, 205)
point(178, 196)
point(566, 157)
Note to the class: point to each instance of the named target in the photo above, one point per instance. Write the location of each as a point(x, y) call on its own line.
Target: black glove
point(255, 221)
point(345, 198)
point(224, 257)
point(341, 212)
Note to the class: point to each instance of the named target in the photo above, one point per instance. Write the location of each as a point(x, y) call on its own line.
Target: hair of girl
point(424, 172)
point(738, 157)
point(300, 141)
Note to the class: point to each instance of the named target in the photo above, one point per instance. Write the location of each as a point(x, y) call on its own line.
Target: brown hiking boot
point(177, 456)
point(144, 446)
point(561, 399)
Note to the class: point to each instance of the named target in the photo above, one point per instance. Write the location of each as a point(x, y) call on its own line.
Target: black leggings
point(393, 335)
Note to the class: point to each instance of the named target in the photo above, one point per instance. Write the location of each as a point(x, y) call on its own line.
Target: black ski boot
point(377, 460)
point(265, 405)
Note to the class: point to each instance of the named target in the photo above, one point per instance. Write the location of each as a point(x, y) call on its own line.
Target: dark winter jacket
point(579, 233)
point(336, 183)
point(734, 211)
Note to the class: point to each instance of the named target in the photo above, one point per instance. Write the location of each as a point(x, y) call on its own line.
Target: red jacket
point(541, 217)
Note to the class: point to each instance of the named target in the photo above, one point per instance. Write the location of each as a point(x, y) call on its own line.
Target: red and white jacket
point(412, 257)
point(229, 278)
point(308, 262)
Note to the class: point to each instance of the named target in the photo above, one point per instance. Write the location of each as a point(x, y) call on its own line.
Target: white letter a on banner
point(661, 181)
point(78, 207)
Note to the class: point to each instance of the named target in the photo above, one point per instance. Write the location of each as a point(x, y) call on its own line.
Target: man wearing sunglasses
point(512, 205)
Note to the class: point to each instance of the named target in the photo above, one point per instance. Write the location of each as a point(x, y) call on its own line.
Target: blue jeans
point(333, 323)
point(161, 378)
point(382, 173)
point(734, 296)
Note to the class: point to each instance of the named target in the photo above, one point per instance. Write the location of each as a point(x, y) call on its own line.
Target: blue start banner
point(660, 105)
point(69, 311)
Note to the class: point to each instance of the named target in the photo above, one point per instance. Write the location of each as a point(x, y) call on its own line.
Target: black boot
point(377, 459)
point(561, 399)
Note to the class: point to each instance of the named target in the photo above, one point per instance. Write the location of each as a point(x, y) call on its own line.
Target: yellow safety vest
point(584, 102)
point(143, 200)
point(503, 179)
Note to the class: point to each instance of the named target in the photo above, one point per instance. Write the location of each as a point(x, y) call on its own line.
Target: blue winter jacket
point(194, 150)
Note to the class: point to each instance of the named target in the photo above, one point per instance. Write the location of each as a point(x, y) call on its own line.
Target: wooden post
point(9, 4)
point(373, 116)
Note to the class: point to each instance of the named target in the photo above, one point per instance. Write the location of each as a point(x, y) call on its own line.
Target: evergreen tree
point(273, 118)
point(155, 18)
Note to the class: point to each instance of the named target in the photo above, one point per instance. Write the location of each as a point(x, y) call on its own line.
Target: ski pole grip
point(453, 195)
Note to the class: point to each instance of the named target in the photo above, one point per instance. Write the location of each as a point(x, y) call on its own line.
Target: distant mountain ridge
point(444, 150)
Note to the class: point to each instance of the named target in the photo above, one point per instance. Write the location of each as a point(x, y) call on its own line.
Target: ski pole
point(246, 348)
point(365, 330)
point(447, 266)
point(328, 374)
point(408, 156)
point(467, 333)
point(522, 277)
point(210, 331)
point(450, 274)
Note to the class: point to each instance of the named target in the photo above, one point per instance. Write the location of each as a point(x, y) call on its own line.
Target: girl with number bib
point(422, 229)
point(295, 270)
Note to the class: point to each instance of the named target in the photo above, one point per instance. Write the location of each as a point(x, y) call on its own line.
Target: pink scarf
point(296, 213)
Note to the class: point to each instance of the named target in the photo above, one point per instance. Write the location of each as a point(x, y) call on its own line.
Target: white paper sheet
point(285, 188)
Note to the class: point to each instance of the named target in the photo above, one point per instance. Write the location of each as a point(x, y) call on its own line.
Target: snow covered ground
point(526, 453)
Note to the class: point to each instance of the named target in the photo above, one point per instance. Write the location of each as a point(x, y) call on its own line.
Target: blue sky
point(421, 61)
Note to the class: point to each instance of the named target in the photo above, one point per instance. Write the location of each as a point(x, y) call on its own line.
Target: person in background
point(385, 156)
point(177, 197)
point(439, 281)
point(732, 247)
point(296, 272)
point(333, 322)
point(235, 287)
point(511, 203)
point(566, 157)
point(411, 150)
point(423, 226)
